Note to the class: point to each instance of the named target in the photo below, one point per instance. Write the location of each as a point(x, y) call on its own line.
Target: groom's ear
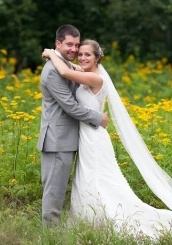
point(57, 43)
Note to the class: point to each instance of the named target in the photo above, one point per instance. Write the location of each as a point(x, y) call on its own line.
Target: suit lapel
point(73, 86)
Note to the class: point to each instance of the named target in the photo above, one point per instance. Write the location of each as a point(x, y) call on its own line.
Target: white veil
point(156, 178)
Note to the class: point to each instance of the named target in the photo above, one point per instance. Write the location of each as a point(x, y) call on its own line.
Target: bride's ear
point(96, 61)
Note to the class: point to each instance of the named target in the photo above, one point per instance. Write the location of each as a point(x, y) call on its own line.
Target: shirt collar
point(67, 61)
point(59, 54)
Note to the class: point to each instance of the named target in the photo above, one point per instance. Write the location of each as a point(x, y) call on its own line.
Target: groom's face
point(68, 47)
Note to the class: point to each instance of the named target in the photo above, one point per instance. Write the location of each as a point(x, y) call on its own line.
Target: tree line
point(142, 28)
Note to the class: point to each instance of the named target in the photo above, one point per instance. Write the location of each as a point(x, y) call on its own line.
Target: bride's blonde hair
point(98, 51)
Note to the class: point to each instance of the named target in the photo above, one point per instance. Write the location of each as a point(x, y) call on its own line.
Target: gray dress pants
point(55, 172)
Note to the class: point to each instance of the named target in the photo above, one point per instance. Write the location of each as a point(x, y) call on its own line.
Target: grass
point(23, 227)
point(146, 91)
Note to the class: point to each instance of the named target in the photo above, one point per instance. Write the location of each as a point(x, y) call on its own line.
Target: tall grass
point(146, 92)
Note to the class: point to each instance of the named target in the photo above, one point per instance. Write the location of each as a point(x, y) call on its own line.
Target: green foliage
point(139, 82)
point(19, 37)
point(142, 28)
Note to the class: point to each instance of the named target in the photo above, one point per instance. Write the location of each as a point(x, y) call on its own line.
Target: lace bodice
point(92, 101)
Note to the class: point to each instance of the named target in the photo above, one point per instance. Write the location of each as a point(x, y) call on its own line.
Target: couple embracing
point(72, 120)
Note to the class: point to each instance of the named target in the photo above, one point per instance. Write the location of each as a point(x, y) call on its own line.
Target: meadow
point(145, 89)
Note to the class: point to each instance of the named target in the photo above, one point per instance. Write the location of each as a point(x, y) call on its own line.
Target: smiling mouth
point(83, 63)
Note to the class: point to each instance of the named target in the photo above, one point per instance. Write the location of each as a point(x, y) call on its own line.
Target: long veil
point(156, 178)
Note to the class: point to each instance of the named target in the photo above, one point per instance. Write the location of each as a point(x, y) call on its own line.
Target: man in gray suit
point(58, 139)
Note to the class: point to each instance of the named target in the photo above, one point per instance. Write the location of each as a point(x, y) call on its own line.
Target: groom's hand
point(105, 120)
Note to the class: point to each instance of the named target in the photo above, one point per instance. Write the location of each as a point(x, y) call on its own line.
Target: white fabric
point(99, 190)
point(158, 180)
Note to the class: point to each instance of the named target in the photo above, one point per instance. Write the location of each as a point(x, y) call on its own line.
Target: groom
point(61, 113)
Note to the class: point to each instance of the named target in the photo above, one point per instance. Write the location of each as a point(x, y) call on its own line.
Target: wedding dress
point(100, 191)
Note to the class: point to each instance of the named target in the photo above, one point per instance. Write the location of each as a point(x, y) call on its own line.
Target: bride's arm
point(77, 67)
point(89, 78)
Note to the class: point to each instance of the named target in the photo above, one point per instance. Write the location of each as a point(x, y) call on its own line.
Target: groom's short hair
point(66, 30)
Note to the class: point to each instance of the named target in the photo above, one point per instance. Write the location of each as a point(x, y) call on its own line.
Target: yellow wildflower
point(3, 51)
point(12, 61)
point(37, 95)
point(115, 45)
point(13, 181)
point(10, 88)
point(126, 79)
point(159, 156)
point(1, 150)
point(2, 73)
point(4, 98)
point(25, 137)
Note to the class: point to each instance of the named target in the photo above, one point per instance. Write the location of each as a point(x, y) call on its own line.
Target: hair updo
point(97, 50)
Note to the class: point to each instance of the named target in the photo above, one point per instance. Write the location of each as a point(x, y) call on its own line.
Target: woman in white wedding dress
point(100, 192)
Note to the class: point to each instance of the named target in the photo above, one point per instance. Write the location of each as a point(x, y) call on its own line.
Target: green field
point(146, 91)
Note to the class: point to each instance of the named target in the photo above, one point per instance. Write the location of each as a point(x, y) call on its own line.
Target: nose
point(74, 49)
point(82, 57)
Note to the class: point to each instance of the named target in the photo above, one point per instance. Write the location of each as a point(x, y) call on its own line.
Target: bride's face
point(86, 57)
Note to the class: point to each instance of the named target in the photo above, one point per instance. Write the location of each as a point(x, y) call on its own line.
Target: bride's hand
point(47, 52)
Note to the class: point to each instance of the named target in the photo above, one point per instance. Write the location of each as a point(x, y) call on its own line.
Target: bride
point(100, 191)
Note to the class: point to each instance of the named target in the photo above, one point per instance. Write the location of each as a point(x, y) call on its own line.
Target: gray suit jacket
point(61, 113)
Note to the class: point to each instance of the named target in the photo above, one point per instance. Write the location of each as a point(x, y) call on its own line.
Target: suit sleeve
point(59, 89)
